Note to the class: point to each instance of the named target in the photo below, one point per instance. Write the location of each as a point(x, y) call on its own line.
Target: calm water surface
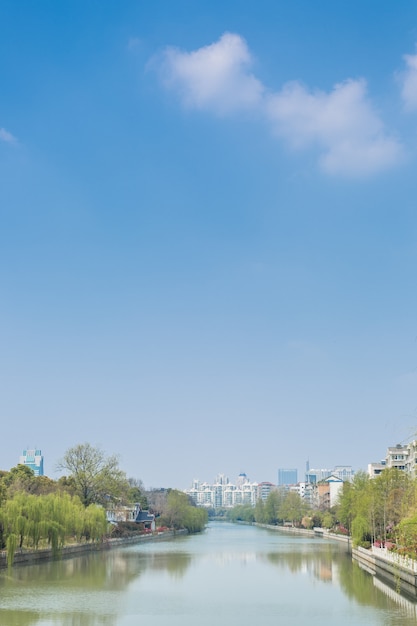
point(228, 575)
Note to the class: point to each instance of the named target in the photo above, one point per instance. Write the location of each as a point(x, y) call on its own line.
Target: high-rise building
point(287, 477)
point(33, 459)
point(315, 476)
point(344, 472)
point(223, 493)
point(264, 489)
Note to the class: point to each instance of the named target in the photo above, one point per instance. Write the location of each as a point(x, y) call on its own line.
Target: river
point(228, 575)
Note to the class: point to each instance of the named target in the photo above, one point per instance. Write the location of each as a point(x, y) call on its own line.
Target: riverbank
point(399, 572)
point(26, 557)
point(315, 532)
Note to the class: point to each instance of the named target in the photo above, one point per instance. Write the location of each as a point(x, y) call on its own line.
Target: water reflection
point(232, 573)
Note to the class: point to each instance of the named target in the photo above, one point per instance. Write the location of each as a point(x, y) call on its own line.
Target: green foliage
point(51, 520)
point(96, 477)
point(372, 509)
point(328, 520)
point(293, 508)
point(260, 516)
point(136, 493)
point(11, 545)
point(241, 513)
point(20, 478)
point(407, 535)
point(180, 513)
point(95, 522)
point(273, 507)
point(317, 519)
point(37, 512)
point(280, 506)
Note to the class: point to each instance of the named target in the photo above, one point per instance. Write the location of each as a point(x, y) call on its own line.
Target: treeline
point(30, 521)
point(381, 510)
point(280, 506)
point(38, 512)
point(373, 511)
point(179, 512)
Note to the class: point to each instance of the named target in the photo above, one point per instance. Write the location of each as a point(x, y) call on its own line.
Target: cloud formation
point(215, 77)
point(341, 125)
point(6, 136)
point(409, 82)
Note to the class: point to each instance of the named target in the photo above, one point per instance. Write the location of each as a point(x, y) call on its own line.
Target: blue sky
point(208, 241)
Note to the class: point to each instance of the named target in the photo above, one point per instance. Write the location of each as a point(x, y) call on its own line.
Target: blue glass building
point(34, 460)
point(287, 477)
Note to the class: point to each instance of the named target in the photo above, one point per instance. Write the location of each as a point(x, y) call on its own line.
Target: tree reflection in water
point(245, 569)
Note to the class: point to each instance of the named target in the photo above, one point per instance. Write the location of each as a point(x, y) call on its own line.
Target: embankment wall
point(26, 557)
point(400, 575)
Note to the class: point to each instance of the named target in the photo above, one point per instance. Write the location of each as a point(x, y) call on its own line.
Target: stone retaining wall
point(315, 532)
point(398, 573)
point(402, 579)
point(25, 557)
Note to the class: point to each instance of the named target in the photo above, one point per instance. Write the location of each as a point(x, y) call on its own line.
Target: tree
point(51, 519)
point(273, 504)
point(157, 500)
point(356, 508)
point(241, 513)
point(328, 520)
point(176, 509)
point(407, 535)
point(137, 492)
point(292, 508)
point(260, 517)
point(97, 477)
point(181, 513)
point(393, 498)
point(20, 478)
point(345, 505)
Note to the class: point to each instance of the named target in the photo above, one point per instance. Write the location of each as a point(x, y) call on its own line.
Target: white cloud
point(409, 82)
point(214, 77)
point(341, 124)
point(6, 136)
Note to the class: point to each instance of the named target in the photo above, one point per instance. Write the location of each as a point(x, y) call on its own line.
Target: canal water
point(229, 575)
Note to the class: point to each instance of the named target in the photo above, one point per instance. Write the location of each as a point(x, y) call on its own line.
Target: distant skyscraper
point(344, 472)
point(264, 489)
point(221, 479)
point(34, 460)
point(315, 476)
point(287, 477)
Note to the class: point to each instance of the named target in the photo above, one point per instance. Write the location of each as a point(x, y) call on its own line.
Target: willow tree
point(95, 522)
point(50, 520)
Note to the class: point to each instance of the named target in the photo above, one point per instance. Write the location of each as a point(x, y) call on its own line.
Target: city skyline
point(208, 233)
point(34, 458)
